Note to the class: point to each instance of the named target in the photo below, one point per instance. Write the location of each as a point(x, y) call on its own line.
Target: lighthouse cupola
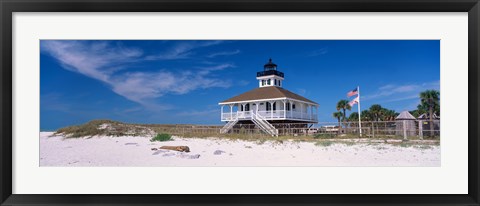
point(270, 76)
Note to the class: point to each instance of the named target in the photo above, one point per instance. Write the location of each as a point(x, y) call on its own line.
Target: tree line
point(429, 104)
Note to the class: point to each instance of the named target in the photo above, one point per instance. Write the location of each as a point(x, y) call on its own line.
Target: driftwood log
point(176, 148)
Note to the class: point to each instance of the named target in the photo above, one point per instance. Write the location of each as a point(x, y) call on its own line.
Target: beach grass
point(324, 136)
point(103, 128)
point(161, 138)
point(324, 143)
point(85, 130)
point(164, 132)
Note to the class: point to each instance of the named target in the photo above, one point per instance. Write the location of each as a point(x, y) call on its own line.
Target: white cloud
point(97, 60)
point(302, 92)
point(392, 92)
point(224, 53)
point(318, 52)
point(102, 61)
point(208, 70)
point(243, 82)
point(211, 112)
point(182, 50)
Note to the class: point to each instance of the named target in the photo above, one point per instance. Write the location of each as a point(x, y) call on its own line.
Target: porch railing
point(270, 115)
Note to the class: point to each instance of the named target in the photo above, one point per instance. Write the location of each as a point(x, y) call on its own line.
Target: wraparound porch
point(268, 115)
point(283, 109)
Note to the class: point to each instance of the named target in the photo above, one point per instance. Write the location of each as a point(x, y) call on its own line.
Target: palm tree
point(343, 105)
point(338, 115)
point(376, 111)
point(416, 113)
point(388, 114)
point(366, 115)
point(353, 117)
point(431, 99)
point(422, 108)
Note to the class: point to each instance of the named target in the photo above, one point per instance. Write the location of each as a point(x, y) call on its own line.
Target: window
point(247, 107)
point(288, 106)
point(279, 83)
point(269, 106)
point(293, 106)
point(275, 82)
point(268, 82)
point(263, 82)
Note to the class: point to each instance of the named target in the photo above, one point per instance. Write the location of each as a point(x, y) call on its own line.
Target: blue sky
point(183, 81)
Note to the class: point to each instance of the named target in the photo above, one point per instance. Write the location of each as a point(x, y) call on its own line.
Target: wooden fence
point(372, 129)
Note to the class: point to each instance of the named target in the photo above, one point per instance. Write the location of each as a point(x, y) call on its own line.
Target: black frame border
point(7, 7)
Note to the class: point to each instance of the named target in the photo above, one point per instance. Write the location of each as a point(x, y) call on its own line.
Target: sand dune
point(137, 151)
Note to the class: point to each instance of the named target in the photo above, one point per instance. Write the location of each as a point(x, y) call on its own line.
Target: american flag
point(353, 92)
point(354, 101)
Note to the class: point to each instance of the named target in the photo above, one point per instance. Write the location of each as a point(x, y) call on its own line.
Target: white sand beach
point(128, 151)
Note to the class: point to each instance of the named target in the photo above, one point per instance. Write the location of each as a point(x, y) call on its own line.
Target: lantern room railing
point(269, 72)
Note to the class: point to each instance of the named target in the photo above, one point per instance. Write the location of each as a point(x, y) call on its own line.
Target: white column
point(243, 111)
point(221, 113)
point(301, 110)
point(284, 108)
point(271, 108)
point(231, 111)
point(311, 111)
point(306, 111)
point(291, 108)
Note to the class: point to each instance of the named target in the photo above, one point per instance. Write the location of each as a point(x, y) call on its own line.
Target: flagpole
point(359, 112)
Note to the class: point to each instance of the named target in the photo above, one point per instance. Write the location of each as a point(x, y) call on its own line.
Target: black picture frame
point(7, 7)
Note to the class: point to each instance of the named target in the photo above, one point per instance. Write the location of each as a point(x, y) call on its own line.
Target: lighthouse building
point(268, 104)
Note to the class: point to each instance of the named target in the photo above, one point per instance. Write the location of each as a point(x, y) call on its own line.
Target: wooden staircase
point(264, 125)
point(229, 126)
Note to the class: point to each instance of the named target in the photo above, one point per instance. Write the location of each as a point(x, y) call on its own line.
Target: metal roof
point(405, 115)
point(271, 92)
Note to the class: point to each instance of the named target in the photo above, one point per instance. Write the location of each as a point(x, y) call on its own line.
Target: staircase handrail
point(263, 122)
point(229, 125)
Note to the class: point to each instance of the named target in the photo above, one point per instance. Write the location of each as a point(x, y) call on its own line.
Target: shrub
point(347, 143)
point(162, 137)
point(423, 147)
point(323, 136)
point(324, 143)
